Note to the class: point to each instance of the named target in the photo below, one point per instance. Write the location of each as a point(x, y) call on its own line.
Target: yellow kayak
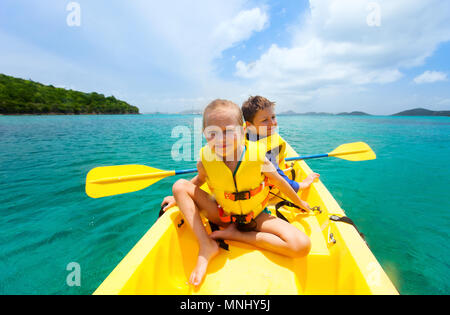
point(339, 262)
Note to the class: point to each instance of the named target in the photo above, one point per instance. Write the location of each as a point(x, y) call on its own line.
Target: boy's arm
point(275, 178)
point(296, 186)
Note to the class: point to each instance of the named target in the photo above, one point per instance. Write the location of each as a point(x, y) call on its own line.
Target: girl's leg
point(190, 199)
point(272, 234)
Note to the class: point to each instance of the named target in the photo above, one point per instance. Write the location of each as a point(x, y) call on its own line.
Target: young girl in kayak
point(237, 173)
point(261, 122)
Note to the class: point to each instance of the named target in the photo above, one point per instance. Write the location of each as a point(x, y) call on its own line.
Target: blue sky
point(378, 56)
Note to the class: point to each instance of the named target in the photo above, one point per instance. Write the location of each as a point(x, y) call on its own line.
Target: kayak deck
point(242, 269)
point(339, 262)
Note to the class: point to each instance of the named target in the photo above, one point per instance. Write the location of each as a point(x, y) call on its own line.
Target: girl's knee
point(300, 246)
point(180, 186)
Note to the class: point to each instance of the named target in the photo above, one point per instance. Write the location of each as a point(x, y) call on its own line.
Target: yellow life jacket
point(244, 192)
point(276, 152)
point(276, 149)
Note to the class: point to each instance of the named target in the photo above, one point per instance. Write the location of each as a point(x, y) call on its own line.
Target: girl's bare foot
point(225, 234)
point(206, 253)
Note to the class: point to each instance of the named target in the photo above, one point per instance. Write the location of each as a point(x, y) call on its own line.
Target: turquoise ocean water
point(400, 201)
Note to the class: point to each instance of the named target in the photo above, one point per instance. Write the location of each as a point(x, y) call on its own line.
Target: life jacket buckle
point(235, 218)
point(242, 219)
point(242, 195)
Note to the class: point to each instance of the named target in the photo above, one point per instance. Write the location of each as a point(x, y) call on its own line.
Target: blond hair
point(223, 104)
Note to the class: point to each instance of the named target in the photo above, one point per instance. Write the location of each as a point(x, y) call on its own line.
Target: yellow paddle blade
point(116, 180)
point(357, 151)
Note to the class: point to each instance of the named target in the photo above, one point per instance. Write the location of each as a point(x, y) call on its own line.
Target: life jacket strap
point(232, 218)
point(246, 195)
point(240, 219)
point(215, 227)
point(347, 220)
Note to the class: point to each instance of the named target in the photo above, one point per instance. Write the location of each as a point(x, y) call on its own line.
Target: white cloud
point(430, 77)
point(335, 46)
point(186, 37)
point(239, 28)
point(155, 52)
point(52, 69)
point(145, 50)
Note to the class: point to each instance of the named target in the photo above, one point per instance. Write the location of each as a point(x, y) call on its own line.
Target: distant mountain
point(356, 113)
point(292, 113)
point(411, 112)
point(317, 114)
point(423, 112)
point(288, 113)
point(156, 113)
point(191, 112)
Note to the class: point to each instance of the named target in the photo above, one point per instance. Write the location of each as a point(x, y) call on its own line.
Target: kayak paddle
point(357, 151)
point(115, 180)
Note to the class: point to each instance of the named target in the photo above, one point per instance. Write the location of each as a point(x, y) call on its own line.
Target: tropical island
point(411, 112)
point(423, 112)
point(355, 113)
point(20, 97)
point(292, 113)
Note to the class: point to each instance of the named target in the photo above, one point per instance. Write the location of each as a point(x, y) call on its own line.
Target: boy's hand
point(170, 201)
point(305, 206)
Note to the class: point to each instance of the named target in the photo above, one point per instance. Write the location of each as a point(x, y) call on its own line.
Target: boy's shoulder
point(269, 142)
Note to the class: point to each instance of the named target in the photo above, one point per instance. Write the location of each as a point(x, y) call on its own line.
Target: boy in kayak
point(261, 122)
point(237, 173)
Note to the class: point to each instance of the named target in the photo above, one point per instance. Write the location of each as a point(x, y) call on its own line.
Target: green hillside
point(423, 112)
point(18, 96)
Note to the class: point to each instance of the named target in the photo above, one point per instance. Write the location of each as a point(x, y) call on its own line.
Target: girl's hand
point(170, 201)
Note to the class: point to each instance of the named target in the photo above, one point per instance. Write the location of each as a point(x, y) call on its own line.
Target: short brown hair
point(219, 103)
point(253, 105)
